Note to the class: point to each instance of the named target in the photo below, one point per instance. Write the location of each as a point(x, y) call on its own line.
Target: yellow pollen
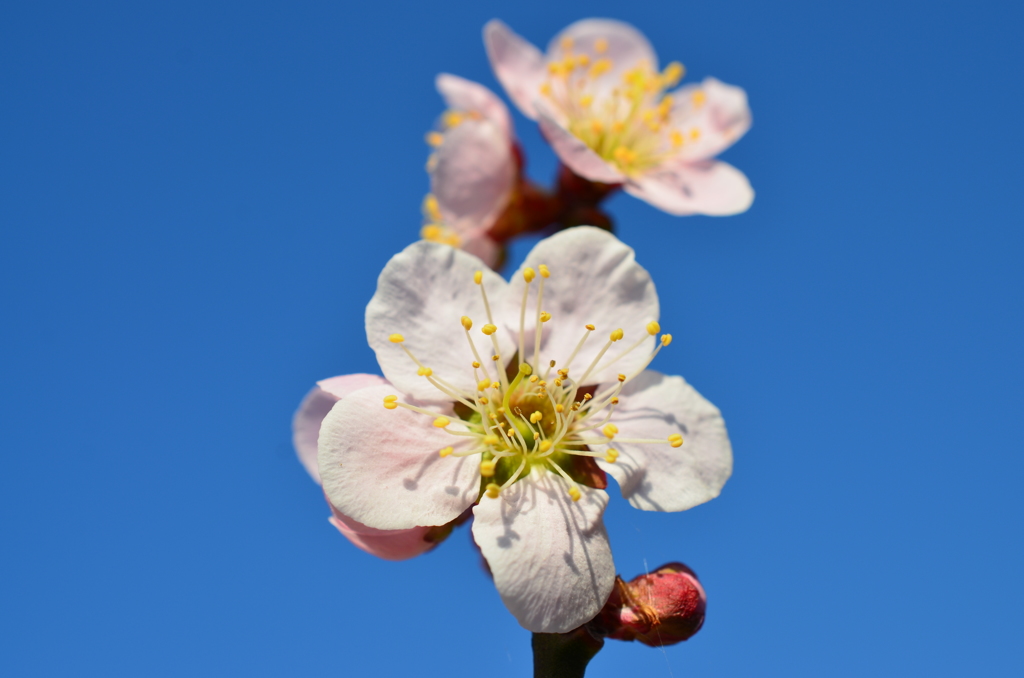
point(445, 451)
point(425, 372)
point(574, 493)
point(672, 74)
point(653, 328)
point(476, 365)
point(699, 98)
point(467, 323)
point(623, 155)
point(596, 126)
point(390, 402)
point(559, 407)
point(675, 442)
point(600, 67)
point(694, 134)
point(545, 445)
point(484, 383)
point(616, 335)
point(453, 118)
point(622, 377)
point(441, 422)
point(558, 382)
point(587, 396)
point(431, 232)
point(676, 436)
point(495, 358)
point(487, 468)
point(610, 430)
point(435, 139)
point(610, 456)
point(601, 45)
point(493, 490)
point(614, 401)
point(567, 43)
point(677, 138)
point(534, 379)
point(478, 277)
point(545, 316)
point(396, 338)
point(535, 417)
point(583, 60)
point(431, 207)
point(484, 401)
point(488, 329)
point(529, 275)
point(590, 327)
point(544, 272)
point(545, 89)
point(666, 339)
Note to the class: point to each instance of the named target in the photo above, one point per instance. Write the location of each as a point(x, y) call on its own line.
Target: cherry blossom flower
point(601, 102)
point(521, 416)
point(473, 168)
point(387, 544)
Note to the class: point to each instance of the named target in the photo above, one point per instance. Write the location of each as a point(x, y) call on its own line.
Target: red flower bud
point(661, 608)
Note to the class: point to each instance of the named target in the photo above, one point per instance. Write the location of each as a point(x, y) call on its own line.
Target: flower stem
point(564, 655)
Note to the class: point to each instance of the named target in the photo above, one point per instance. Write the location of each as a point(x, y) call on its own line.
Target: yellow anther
point(672, 74)
point(445, 451)
point(545, 445)
point(476, 365)
point(390, 402)
point(453, 118)
point(611, 456)
point(614, 401)
point(468, 324)
point(435, 139)
point(568, 64)
point(492, 416)
point(618, 126)
point(665, 107)
point(583, 61)
point(491, 440)
point(590, 327)
point(616, 335)
point(600, 67)
point(601, 45)
point(666, 339)
point(484, 383)
point(676, 137)
point(484, 401)
point(534, 379)
point(574, 493)
point(653, 328)
point(495, 358)
point(699, 98)
point(558, 382)
point(478, 277)
point(567, 43)
point(676, 436)
point(585, 102)
point(390, 398)
point(431, 232)
point(501, 410)
point(545, 316)
point(622, 377)
point(529, 275)
point(425, 372)
point(488, 329)
point(587, 396)
point(623, 155)
point(536, 416)
point(544, 272)
point(559, 408)
point(564, 373)
point(396, 338)
point(487, 468)
point(441, 422)
point(542, 383)
point(675, 442)
point(492, 490)
point(545, 89)
point(694, 134)
point(610, 430)
point(431, 207)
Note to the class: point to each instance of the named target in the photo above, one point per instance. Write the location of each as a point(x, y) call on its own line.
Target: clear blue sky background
point(195, 202)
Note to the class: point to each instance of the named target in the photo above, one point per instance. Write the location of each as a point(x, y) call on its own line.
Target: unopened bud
point(664, 607)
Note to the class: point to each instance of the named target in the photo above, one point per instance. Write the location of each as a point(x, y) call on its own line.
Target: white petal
point(422, 294)
point(708, 187)
point(468, 96)
point(720, 114)
point(473, 175)
point(575, 154)
point(381, 466)
point(659, 477)
point(594, 280)
point(627, 48)
point(315, 406)
point(479, 244)
point(518, 65)
point(549, 555)
point(386, 544)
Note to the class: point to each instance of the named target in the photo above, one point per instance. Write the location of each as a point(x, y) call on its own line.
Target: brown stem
point(564, 655)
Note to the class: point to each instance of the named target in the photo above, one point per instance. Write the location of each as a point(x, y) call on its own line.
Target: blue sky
point(195, 202)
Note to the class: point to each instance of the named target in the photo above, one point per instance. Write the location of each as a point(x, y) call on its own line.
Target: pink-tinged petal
point(386, 544)
point(315, 406)
point(575, 154)
point(594, 280)
point(472, 175)
point(627, 48)
point(381, 467)
point(659, 477)
point(479, 244)
point(422, 294)
point(717, 111)
point(708, 187)
point(518, 65)
point(465, 95)
point(549, 555)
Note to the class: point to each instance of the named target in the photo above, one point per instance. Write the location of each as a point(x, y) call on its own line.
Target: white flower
point(473, 168)
point(508, 395)
point(600, 100)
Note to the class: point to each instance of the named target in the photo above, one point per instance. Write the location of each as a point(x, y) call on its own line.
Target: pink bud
point(661, 608)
